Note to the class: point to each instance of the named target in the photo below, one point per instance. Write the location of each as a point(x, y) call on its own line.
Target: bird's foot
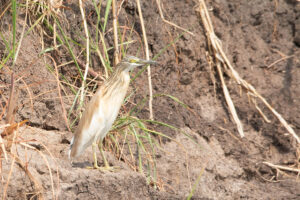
point(105, 168)
point(109, 168)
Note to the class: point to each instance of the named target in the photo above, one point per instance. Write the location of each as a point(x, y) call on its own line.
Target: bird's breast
point(111, 104)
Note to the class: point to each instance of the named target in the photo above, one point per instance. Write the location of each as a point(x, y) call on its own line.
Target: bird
point(102, 110)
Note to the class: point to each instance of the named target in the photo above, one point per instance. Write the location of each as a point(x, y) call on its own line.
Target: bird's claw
point(109, 168)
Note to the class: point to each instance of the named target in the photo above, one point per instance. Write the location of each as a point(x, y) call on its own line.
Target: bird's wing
point(90, 125)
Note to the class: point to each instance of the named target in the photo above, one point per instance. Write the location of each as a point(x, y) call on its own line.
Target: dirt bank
point(261, 39)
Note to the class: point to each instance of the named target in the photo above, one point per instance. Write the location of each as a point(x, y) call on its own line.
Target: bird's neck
point(119, 82)
point(125, 76)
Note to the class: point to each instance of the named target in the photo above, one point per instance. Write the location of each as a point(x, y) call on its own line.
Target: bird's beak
point(146, 62)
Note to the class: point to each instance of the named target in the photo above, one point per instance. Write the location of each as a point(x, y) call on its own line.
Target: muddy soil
point(255, 36)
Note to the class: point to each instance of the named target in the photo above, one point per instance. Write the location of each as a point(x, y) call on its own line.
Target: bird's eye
point(133, 61)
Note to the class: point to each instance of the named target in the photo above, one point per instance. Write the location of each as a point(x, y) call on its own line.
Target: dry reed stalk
point(147, 57)
point(282, 167)
point(212, 39)
point(87, 51)
point(230, 102)
point(115, 28)
point(215, 47)
point(37, 185)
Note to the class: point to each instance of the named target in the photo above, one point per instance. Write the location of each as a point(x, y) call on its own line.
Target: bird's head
point(130, 62)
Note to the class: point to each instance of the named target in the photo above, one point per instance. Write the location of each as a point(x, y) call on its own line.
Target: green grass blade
point(49, 49)
point(35, 24)
point(173, 98)
point(138, 142)
point(107, 11)
point(172, 127)
point(98, 20)
point(5, 41)
point(3, 62)
point(149, 139)
point(73, 104)
point(195, 184)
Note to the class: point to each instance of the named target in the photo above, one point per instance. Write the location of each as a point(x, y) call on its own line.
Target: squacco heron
point(101, 112)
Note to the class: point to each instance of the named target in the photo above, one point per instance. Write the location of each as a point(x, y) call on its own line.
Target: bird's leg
point(95, 156)
point(100, 145)
point(94, 145)
point(106, 164)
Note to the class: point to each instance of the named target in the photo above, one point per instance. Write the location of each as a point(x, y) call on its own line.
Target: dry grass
point(220, 60)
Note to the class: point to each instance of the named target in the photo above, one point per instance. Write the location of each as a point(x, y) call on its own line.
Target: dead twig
point(168, 22)
point(90, 70)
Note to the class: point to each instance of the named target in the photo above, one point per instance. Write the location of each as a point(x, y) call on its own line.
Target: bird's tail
point(70, 150)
